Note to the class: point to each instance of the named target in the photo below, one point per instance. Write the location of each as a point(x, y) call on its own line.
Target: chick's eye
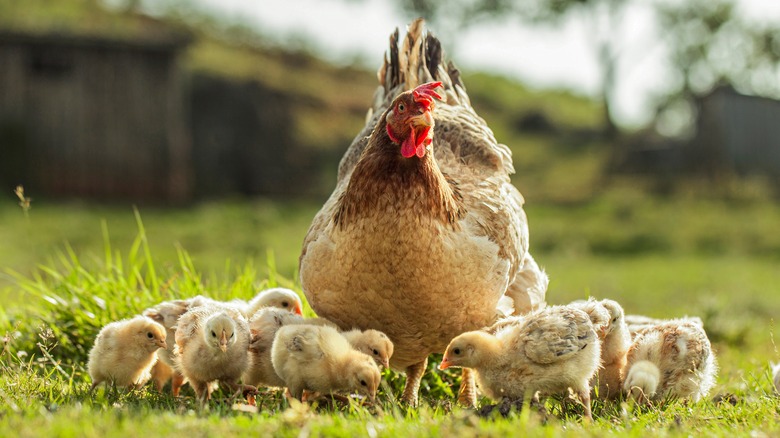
point(376, 352)
point(363, 382)
point(213, 334)
point(149, 335)
point(456, 351)
point(285, 304)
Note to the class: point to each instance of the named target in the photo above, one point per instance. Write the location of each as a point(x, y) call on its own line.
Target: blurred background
point(645, 133)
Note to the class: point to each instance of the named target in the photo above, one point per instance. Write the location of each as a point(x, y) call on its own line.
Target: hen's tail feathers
point(418, 60)
point(642, 380)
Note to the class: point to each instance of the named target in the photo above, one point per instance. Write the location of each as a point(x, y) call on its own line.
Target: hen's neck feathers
point(383, 175)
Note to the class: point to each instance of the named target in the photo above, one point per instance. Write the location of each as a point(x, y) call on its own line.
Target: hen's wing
point(555, 334)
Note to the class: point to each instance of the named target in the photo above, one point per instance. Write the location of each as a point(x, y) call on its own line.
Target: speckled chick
point(263, 327)
point(637, 323)
point(125, 351)
point(673, 358)
point(320, 359)
point(372, 342)
point(212, 344)
point(280, 297)
point(546, 352)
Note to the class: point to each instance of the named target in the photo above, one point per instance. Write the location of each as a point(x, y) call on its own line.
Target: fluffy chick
point(776, 375)
point(263, 327)
point(320, 359)
point(280, 297)
point(125, 351)
point(373, 343)
point(673, 358)
point(614, 349)
point(637, 323)
point(547, 352)
point(212, 344)
point(167, 314)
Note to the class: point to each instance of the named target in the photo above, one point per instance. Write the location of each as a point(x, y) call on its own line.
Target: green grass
point(707, 265)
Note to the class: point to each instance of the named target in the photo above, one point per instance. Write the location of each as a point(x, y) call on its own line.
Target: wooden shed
point(94, 116)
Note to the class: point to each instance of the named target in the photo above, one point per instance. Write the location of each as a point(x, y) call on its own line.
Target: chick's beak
point(385, 362)
point(445, 363)
point(297, 310)
point(161, 343)
point(223, 341)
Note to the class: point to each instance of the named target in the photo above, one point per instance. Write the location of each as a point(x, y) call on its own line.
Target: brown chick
point(212, 344)
point(673, 358)
point(614, 349)
point(279, 297)
point(372, 342)
point(263, 327)
point(546, 352)
point(125, 351)
point(320, 359)
point(167, 314)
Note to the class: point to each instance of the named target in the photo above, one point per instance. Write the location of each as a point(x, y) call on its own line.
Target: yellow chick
point(280, 297)
point(320, 359)
point(212, 344)
point(373, 343)
point(546, 352)
point(673, 358)
point(614, 349)
point(125, 351)
point(263, 327)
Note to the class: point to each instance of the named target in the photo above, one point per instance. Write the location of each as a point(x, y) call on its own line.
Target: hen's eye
point(363, 382)
point(401, 108)
point(149, 335)
point(213, 334)
point(456, 351)
point(376, 353)
point(285, 304)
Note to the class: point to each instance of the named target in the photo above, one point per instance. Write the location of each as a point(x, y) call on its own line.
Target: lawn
point(68, 268)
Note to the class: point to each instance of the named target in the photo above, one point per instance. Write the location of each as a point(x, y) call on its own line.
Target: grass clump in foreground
point(44, 385)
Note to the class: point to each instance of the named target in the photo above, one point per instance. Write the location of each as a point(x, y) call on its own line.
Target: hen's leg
point(414, 375)
point(467, 394)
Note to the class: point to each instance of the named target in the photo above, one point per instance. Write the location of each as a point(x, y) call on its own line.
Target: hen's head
point(410, 119)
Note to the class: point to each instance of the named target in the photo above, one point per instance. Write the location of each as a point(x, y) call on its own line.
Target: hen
point(424, 232)
point(548, 352)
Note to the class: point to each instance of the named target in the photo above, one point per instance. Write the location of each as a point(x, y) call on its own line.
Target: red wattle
point(409, 146)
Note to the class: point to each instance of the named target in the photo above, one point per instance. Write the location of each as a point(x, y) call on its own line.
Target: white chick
point(320, 359)
point(636, 323)
point(614, 349)
point(263, 327)
point(547, 352)
point(212, 344)
point(280, 297)
point(776, 375)
point(673, 358)
point(373, 343)
point(125, 351)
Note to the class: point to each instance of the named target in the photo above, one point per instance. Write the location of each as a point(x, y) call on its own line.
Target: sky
point(542, 57)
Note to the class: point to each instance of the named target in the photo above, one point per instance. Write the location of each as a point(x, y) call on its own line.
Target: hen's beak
point(423, 120)
point(223, 341)
point(445, 363)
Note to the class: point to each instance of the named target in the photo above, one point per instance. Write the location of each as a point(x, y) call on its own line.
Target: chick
point(614, 349)
point(167, 314)
point(280, 297)
point(673, 358)
point(320, 359)
point(125, 351)
point(636, 323)
point(372, 342)
point(212, 344)
point(547, 352)
point(776, 375)
point(263, 327)
point(598, 314)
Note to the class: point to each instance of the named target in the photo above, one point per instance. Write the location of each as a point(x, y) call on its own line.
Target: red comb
point(425, 93)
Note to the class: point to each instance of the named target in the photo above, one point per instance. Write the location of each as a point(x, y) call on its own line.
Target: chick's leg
point(177, 381)
point(467, 394)
point(584, 395)
point(414, 375)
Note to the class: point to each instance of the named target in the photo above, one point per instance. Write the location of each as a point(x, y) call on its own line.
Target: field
point(665, 257)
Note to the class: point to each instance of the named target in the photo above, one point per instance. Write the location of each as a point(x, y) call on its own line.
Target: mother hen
point(421, 247)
